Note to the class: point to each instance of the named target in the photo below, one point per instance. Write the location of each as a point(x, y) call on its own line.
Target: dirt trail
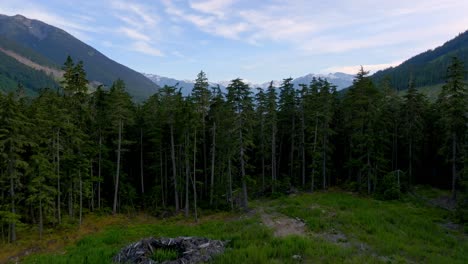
point(283, 225)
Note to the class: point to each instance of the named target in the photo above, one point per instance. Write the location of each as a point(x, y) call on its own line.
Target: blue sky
point(252, 39)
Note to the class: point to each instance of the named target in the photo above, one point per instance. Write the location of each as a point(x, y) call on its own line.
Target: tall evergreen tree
point(14, 141)
point(360, 104)
point(120, 106)
point(240, 100)
point(454, 106)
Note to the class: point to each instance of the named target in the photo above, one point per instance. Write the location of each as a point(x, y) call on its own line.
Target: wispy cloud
point(212, 21)
point(134, 34)
point(259, 40)
point(316, 27)
point(353, 69)
point(144, 47)
point(139, 24)
point(136, 9)
point(213, 7)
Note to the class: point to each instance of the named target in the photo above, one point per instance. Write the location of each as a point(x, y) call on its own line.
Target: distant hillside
point(49, 46)
point(428, 68)
point(13, 72)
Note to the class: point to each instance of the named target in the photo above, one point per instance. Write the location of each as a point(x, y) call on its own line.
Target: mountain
point(341, 80)
point(428, 68)
point(185, 85)
point(162, 81)
point(33, 42)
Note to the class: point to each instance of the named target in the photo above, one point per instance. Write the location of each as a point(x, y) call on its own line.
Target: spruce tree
point(240, 100)
point(453, 104)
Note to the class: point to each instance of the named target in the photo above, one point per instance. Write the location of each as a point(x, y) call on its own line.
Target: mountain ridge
point(427, 68)
point(341, 80)
point(54, 44)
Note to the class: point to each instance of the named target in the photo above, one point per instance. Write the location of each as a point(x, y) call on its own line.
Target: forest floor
point(329, 227)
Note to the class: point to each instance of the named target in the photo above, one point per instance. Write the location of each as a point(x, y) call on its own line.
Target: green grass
point(377, 232)
point(164, 254)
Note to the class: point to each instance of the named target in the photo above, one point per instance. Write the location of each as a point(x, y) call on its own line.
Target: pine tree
point(14, 141)
point(170, 105)
point(453, 104)
point(359, 104)
point(121, 107)
point(201, 99)
point(240, 100)
point(271, 123)
point(414, 106)
point(287, 124)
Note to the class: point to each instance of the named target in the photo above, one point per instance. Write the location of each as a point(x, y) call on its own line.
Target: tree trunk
point(262, 147)
point(41, 221)
point(244, 185)
point(11, 172)
point(174, 170)
point(99, 170)
point(161, 172)
point(166, 178)
point(231, 199)
point(59, 213)
point(273, 158)
point(291, 155)
point(411, 162)
point(195, 175)
point(70, 200)
point(324, 161)
point(141, 163)
point(454, 168)
point(205, 175)
point(117, 174)
point(187, 177)
point(303, 172)
point(213, 156)
point(368, 173)
point(92, 184)
point(81, 196)
point(313, 155)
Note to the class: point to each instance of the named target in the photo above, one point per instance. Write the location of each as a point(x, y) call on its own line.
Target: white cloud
point(145, 48)
point(213, 7)
point(141, 26)
point(353, 69)
point(314, 27)
point(140, 11)
point(178, 54)
point(134, 34)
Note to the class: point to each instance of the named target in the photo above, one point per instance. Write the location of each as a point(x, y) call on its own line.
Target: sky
point(257, 40)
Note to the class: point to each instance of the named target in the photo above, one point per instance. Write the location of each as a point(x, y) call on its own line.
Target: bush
point(390, 186)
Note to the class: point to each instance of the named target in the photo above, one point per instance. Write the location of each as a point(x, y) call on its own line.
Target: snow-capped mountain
point(340, 80)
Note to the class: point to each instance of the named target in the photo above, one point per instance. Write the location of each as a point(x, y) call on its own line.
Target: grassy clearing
point(375, 232)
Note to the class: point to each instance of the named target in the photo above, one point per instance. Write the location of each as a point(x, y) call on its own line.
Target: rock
point(297, 257)
point(190, 249)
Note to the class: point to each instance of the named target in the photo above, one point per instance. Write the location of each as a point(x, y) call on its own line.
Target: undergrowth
point(376, 231)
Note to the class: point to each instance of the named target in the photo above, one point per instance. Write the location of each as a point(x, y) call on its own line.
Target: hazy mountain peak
point(341, 80)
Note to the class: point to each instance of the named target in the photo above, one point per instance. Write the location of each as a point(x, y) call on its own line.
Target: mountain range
point(340, 80)
point(32, 52)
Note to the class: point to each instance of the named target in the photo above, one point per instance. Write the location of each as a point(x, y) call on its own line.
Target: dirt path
point(283, 225)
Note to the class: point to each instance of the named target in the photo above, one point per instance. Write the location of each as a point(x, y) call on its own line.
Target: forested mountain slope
point(428, 68)
point(48, 45)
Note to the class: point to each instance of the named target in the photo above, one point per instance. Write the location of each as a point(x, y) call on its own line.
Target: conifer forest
point(71, 151)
